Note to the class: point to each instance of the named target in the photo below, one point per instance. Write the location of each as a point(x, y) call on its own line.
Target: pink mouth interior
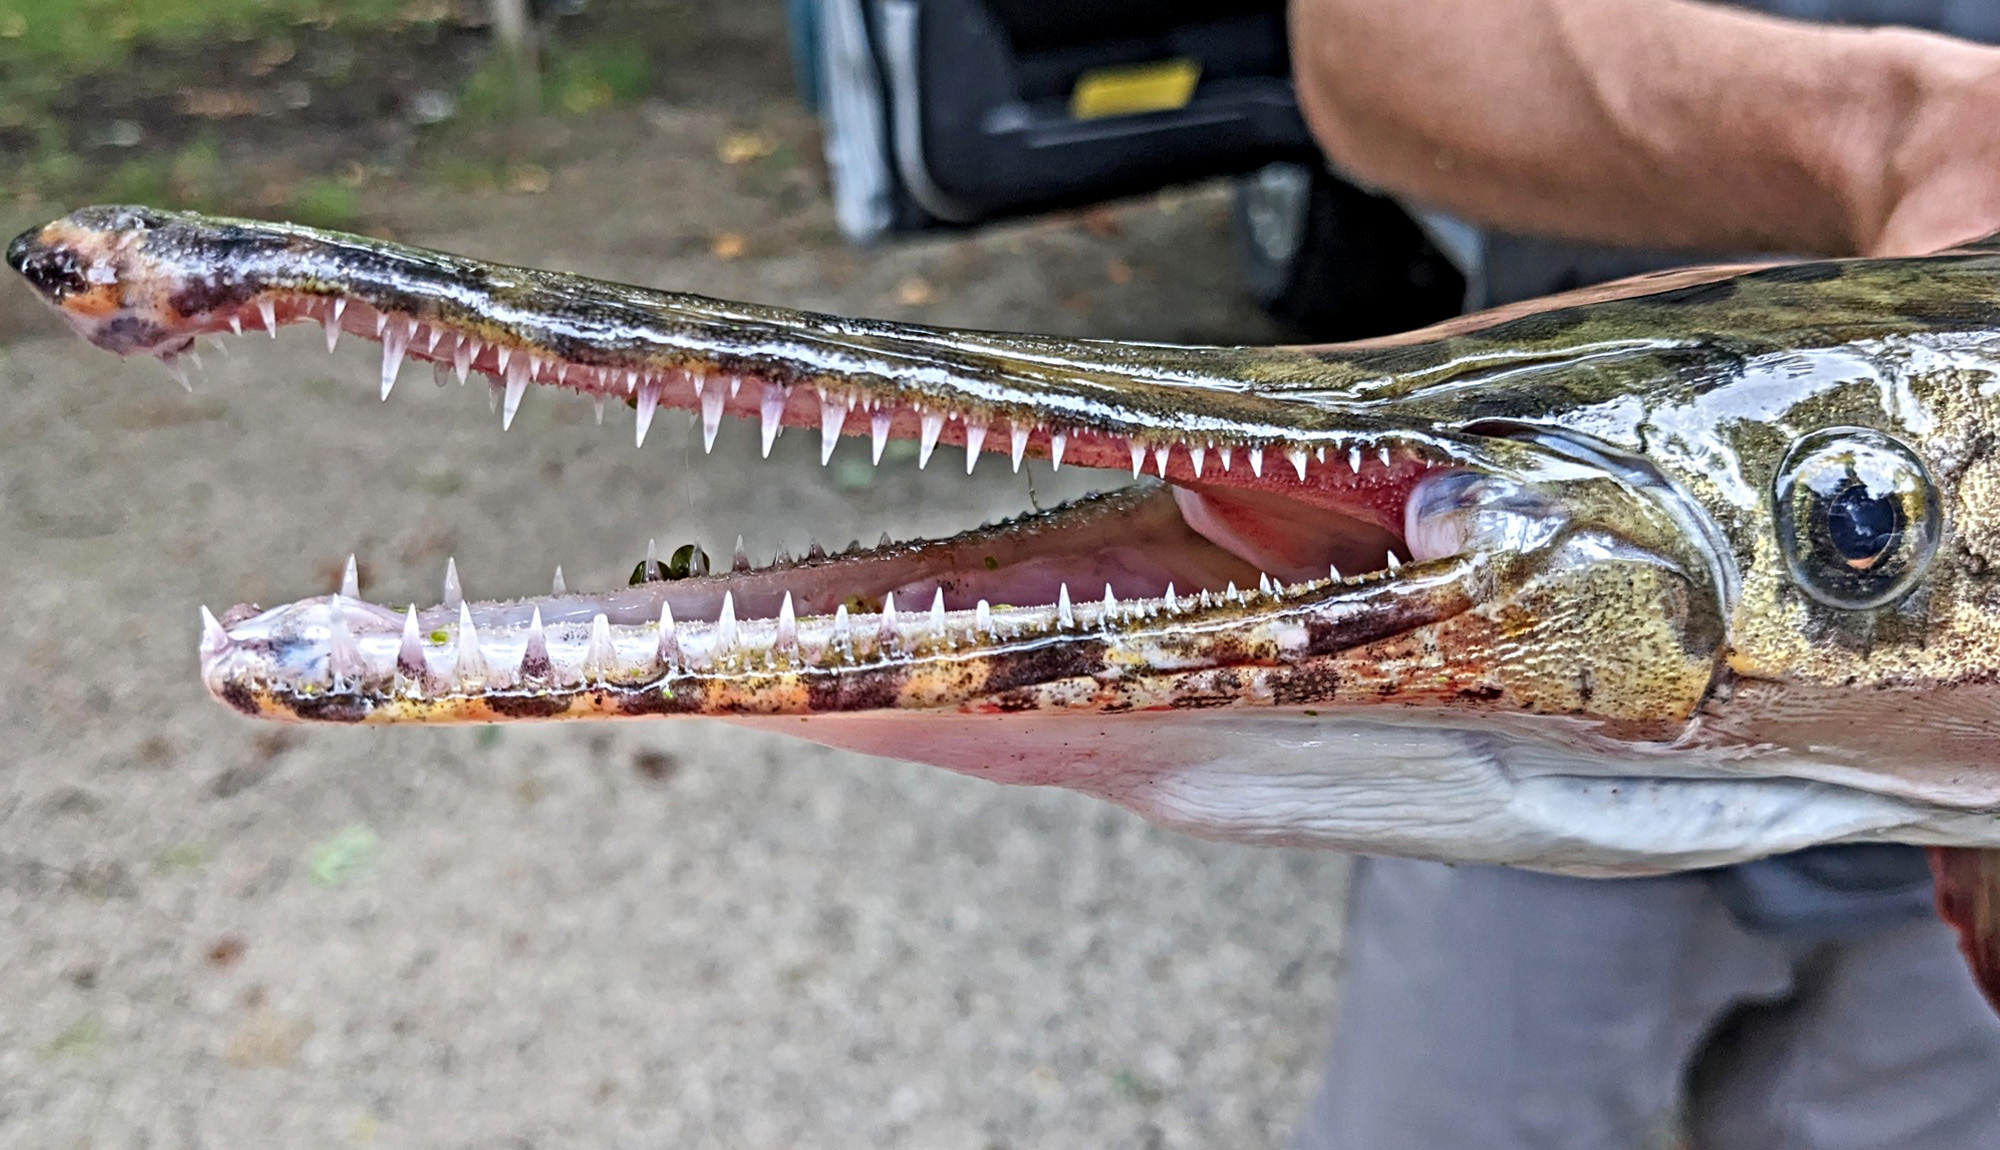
point(1236, 514)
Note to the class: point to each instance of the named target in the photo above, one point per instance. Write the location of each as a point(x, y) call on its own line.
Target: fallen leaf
point(743, 147)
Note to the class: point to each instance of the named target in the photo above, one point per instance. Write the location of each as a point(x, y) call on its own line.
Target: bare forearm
point(1659, 122)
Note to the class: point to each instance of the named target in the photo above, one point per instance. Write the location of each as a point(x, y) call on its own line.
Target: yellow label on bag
point(1133, 88)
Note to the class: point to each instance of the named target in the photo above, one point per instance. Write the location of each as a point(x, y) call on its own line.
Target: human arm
point(1661, 123)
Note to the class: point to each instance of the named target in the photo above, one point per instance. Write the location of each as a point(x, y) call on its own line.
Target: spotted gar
point(1685, 570)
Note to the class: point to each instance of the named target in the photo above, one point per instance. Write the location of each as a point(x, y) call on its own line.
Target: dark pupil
point(1862, 527)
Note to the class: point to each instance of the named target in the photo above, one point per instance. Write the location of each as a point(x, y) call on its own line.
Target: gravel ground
point(218, 933)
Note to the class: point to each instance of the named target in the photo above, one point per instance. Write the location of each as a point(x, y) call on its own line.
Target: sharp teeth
point(597, 408)
point(631, 381)
point(381, 321)
point(786, 635)
point(1395, 564)
point(772, 411)
point(1298, 457)
point(982, 617)
point(832, 417)
point(394, 344)
point(236, 322)
point(350, 579)
point(1196, 455)
point(463, 355)
point(843, 631)
point(933, 423)
point(502, 356)
point(556, 586)
point(647, 403)
point(1228, 454)
point(517, 386)
point(1264, 582)
point(1064, 616)
point(471, 664)
point(330, 320)
point(886, 629)
point(269, 311)
point(670, 642)
point(975, 442)
point(1333, 573)
point(1138, 460)
point(937, 611)
point(814, 552)
point(1382, 453)
point(1056, 444)
point(178, 370)
point(1160, 456)
point(725, 623)
point(213, 637)
point(600, 659)
point(741, 562)
point(410, 654)
point(1257, 462)
point(878, 434)
point(1172, 603)
point(453, 596)
point(711, 416)
point(652, 571)
point(1110, 606)
point(1231, 593)
point(1017, 445)
point(431, 343)
point(535, 652)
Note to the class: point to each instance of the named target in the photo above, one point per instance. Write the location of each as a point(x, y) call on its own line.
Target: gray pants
point(1488, 1009)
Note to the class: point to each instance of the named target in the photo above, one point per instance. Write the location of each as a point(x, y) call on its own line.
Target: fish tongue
point(1968, 899)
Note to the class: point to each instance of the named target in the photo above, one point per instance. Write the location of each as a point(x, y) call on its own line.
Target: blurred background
point(215, 933)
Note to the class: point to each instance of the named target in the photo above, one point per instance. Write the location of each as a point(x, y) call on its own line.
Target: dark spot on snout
point(242, 699)
point(527, 704)
point(329, 708)
point(201, 296)
point(55, 272)
point(127, 334)
point(1042, 663)
point(862, 689)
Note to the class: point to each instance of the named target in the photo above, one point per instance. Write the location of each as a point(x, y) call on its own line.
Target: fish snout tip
point(52, 268)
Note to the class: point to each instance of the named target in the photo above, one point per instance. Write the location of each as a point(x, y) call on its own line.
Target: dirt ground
point(218, 933)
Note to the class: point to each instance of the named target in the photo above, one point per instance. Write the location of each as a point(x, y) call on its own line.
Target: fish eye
point(1857, 516)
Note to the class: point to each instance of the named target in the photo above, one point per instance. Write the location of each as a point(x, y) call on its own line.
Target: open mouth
point(1240, 530)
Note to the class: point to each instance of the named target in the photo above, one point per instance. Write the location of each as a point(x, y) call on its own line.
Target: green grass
point(48, 48)
point(73, 36)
